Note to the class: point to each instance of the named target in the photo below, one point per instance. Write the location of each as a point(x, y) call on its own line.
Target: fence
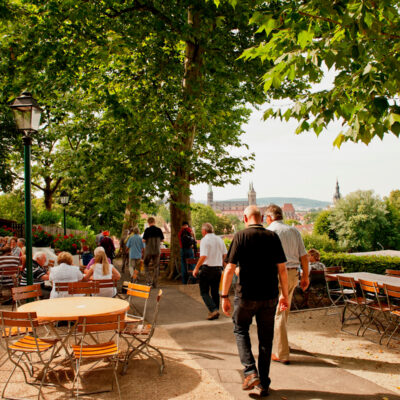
point(19, 228)
point(55, 230)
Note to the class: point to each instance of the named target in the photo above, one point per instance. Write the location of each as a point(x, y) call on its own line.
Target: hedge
point(352, 263)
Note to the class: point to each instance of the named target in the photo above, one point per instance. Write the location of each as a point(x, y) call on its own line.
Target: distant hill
point(298, 202)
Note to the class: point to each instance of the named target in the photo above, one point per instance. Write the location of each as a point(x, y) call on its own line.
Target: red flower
point(35, 236)
point(74, 245)
point(71, 235)
point(66, 237)
point(40, 228)
point(83, 240)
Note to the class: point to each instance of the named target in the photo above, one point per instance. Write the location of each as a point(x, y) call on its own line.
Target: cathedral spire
point(337, 196)
point(252, 195)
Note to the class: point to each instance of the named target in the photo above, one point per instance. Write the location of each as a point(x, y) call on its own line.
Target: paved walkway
point(212, 345)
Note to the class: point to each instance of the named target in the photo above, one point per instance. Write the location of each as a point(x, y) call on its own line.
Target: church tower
point(210, 200)
point(252, 195)
point(337, 196)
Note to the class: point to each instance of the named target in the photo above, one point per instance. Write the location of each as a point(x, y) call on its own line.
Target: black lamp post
point(64, 200)
point(27, 117)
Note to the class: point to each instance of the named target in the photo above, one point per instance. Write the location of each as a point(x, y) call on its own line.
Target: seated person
point(15, 249)
point(97, 251)
point(64, 272)
point(86, 256)
point(314, 260)
point(39, 273)
point(8, 261)
point(102, 269)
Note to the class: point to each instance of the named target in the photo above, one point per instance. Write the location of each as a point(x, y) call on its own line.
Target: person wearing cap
point(107, 243)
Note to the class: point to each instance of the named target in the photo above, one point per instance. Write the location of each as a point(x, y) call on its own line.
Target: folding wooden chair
point(138, 337)
point(24, 293)
point(333, 289)
point(61, 288)
point(393, 272)
point(10, 274)
point(353, 304)
point(316, 292)
point(109, 350)
point(137, 291)
point(23, 349)
point(377, 308)
point(393, 300)
point(106, 284)
point(190, 266)
point(86, 288)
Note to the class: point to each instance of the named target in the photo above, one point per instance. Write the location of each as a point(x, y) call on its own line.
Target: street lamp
point(64, 200)
point(27, 117)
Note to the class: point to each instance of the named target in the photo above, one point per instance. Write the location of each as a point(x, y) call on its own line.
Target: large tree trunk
point(186, 129)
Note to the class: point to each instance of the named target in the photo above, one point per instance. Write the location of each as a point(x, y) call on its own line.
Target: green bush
point(46, 217)
point(320, 242)
point(40, 238)
point(227, 242)
point(352, 263)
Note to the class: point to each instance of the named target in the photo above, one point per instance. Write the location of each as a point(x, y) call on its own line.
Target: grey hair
point(208, 227)
point(40, 254)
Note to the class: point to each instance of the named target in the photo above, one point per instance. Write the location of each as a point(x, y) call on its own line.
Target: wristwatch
point(224, 296)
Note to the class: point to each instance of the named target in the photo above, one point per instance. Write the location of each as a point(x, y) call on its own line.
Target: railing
point(55, 230)
point(19, 228)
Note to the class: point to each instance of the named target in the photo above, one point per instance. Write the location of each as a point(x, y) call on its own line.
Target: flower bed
point(7, 231)
point(41, 238)
point(68, 243)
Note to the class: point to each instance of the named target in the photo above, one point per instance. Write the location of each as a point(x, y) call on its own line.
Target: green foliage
point(320, 242)
point(74, 223)
point(363, 222)
point(12, 206)
point(46, 217)
point(311, 217)
point(323, 225)
point(201, 214)
point(41, 238)
point(291, 222)
point(351, 263)
point(358, 40)
point(227, 242)
point(394, 198)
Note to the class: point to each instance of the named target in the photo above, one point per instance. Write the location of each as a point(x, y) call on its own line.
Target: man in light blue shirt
point(135, 245)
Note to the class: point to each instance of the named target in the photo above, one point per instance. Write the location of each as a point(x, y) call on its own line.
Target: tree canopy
point(358, 40)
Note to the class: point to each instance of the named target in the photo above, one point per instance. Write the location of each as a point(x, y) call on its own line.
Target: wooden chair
point(393, 272)
point(106, 284)
point(165, 255)
point(377, 308)
point(190, 266)
point(353, 304)
point(109, 350)
point(10, 273)
point(138, 337)
point(393, 300)
point(137, 291)
point(61, 287)
point(20, 352)
point(316, 292)
point(24, 293)
point(333, 289)
point(86, 288)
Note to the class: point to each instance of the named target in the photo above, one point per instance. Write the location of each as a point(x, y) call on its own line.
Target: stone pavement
point(212, 346)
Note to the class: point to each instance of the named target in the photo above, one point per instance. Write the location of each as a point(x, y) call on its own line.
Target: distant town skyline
point(290, 165)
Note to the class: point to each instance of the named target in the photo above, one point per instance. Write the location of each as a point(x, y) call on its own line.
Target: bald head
point(252, 215)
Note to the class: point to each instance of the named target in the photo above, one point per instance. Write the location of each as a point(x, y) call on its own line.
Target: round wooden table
point(71, 308)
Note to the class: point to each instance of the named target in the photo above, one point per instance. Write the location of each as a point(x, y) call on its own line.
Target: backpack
point(187, 240)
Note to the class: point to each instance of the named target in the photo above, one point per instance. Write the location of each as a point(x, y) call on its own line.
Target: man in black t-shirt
point(153, 237)
point(261, 258)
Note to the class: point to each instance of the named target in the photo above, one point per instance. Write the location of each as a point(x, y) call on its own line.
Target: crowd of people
point(268, 263)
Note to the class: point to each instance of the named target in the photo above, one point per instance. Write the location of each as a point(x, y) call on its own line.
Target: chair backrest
point(105, 283)
point(349, 283)
point(101, 323)
point(61, 286)
point(393, 272)
point(154, 323)
point(140, 291)
point(370, 290)
point(86, 288)
point(26, 292)
point(10, 319)
point(317, 276)
point(332, 270)
point(392, 292)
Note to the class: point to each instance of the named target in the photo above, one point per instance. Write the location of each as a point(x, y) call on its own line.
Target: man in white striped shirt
point(297, 258)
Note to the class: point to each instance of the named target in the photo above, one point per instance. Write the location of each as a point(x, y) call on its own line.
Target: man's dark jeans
point(264, 311)
point(209, 279)
point(185, 253)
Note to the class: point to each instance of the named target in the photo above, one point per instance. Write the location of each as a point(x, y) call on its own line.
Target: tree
point(323, 225)
point(201, 214)
point(362, 222)
point(356, 39)
point(291, 222)
point(169, 69)
point(394, 198)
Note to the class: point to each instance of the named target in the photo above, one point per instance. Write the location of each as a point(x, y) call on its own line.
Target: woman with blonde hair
point(64, 272)
point(102, 269)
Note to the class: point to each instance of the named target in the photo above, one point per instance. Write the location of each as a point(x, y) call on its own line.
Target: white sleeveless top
point(98, 275)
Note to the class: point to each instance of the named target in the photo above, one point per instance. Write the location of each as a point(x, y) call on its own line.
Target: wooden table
point(71, 308)
point(368, 276)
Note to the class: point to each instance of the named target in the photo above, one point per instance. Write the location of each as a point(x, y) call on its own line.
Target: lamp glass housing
point(26, 112)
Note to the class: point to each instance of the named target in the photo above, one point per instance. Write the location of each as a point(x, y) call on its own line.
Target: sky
point(290, 165)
